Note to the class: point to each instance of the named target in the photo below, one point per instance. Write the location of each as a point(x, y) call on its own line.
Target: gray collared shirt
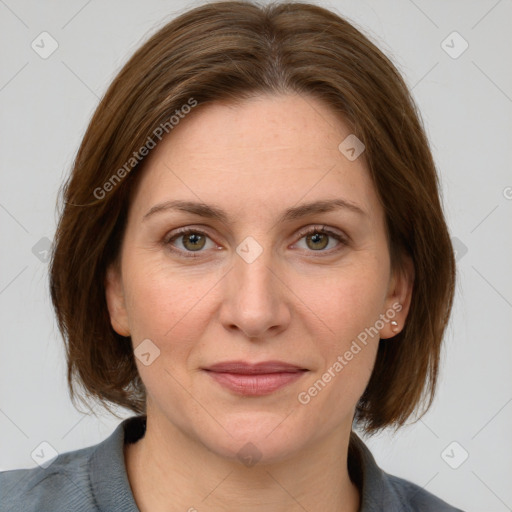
point(94, 479)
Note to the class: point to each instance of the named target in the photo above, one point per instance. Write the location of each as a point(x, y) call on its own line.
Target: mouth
point(255, 379)
point(247, 368)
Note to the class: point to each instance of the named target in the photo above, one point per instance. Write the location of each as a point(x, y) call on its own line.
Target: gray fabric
point(94, 479)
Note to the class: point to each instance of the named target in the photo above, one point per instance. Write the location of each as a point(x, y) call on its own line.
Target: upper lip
point(243, 367)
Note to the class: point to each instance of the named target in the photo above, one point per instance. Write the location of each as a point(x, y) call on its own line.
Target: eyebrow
point(293, 213)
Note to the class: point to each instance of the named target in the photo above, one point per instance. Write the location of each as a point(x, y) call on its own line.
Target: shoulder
point(414, 498)
point(63, 485)
point(85, 480)
point(382, 491)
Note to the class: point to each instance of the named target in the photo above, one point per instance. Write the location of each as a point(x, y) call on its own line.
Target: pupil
point(317, 238)
point(193, 239)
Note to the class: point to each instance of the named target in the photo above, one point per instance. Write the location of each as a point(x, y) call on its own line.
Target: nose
point(255, 298)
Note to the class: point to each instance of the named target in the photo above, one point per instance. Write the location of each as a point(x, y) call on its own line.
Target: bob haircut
point(230, 51)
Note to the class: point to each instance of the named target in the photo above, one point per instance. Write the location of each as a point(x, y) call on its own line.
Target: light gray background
point(466, 103)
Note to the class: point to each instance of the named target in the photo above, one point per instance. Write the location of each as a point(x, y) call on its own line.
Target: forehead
point(265, 152)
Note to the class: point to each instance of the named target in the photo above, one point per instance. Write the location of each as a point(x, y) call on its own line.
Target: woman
point(253, 258)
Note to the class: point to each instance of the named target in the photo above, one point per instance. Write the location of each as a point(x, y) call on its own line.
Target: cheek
point(347, 351)
point(165, 305)
point(167, 309)
point(344, 312)
point(346, 302)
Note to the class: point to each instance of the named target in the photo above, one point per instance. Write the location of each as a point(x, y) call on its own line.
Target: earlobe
point(114, 295)
point(399, 299)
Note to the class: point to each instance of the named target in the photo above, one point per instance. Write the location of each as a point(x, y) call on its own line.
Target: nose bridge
point(255, 278)
point(255, 301)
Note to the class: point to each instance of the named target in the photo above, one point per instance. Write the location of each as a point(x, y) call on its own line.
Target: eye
point(317, 239)
point(193, 240)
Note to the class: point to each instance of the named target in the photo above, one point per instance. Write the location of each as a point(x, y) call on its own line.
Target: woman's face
point(256, 286)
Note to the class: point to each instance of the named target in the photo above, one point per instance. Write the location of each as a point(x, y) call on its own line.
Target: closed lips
point(244, 368)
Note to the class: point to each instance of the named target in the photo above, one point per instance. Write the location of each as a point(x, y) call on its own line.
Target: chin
point(256, 438)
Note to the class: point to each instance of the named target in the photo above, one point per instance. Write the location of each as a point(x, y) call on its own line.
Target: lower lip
point(255, 385)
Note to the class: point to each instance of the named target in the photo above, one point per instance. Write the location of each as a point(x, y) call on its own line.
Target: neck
point(169, 471)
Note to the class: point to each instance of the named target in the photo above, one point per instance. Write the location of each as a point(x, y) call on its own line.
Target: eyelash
point(309, 231)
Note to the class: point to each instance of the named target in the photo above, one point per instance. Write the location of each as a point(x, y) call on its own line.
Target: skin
point(299, 301)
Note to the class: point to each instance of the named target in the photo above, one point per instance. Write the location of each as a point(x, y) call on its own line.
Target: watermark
point(351, 147)
point(44, 45)
point(249, 249)
point(138, 156)
point(41, 250)
point(460, 249)
point(454, 455)
point(304, 397)
point(44, 454)
point(454, 45)
point(507, 193)
point(249, 455)
point(146, 352)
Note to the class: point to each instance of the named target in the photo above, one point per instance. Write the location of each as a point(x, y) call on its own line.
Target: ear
point(114, 294)
point(398, 300)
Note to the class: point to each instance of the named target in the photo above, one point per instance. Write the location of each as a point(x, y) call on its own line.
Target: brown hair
point(230, 51)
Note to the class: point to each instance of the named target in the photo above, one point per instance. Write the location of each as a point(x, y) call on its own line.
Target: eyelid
point(322, 228)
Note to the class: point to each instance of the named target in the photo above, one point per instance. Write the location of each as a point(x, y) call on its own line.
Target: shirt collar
point(107, 469)
point(112, 491)
point(377, 493)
